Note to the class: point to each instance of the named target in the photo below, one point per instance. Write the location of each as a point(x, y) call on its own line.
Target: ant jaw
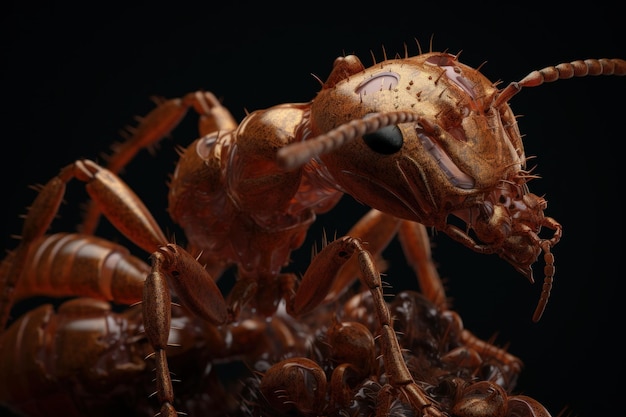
point(523, 268)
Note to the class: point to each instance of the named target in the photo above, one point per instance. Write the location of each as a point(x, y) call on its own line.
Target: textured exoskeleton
point(420, 140)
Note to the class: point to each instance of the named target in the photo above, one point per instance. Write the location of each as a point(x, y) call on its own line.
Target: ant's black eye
point(387, 140)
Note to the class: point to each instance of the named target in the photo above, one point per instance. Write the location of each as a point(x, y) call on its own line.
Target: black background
point(73, 77)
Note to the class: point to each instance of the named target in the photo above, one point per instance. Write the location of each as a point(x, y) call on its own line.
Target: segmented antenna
point(580, 68)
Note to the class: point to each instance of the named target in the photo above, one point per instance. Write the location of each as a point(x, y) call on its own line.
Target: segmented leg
point(110, 196)
point(115, 199)
point(290, 383)
point(155, 126)
point(313, 288)
point(128, 214)
point(376, 229)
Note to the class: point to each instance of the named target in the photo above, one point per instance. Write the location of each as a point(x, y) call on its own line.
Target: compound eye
point(386, 141)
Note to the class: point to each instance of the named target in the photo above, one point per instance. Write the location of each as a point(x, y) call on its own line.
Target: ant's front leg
point(314, 287)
